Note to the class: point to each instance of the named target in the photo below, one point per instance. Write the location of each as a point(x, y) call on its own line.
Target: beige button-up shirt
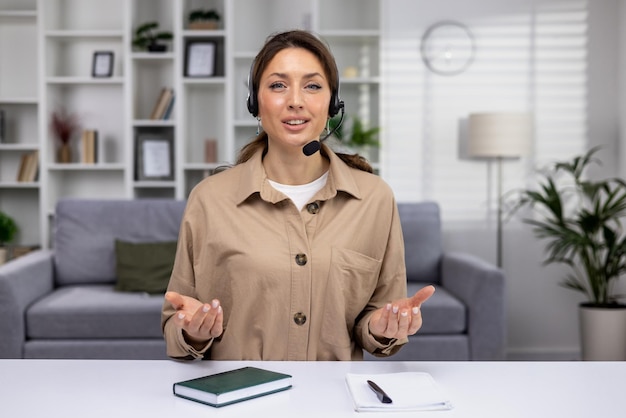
point(294, 285)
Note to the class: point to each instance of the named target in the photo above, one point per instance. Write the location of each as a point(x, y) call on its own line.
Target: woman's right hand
point(199, 321)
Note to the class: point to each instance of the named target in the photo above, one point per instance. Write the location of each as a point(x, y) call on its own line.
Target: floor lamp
point(499, 136)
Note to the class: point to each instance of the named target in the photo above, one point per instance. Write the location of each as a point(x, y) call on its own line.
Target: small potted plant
point(149, 38)
point(8, 230)
point(64, 125)
point(204, 19)
point(582, 222)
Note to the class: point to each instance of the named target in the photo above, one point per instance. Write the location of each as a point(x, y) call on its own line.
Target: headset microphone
point(311, 148)
point(314, 146)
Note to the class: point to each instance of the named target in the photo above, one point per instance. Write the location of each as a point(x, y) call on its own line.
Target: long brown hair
point(273, 45)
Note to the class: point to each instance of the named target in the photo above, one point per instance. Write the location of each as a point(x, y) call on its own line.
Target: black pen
point(382, 396)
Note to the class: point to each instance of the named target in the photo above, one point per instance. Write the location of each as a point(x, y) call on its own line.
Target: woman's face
point(293, 96)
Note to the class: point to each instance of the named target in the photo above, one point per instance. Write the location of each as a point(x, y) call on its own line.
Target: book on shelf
point(89, 146)
point(407, 391)
point(163, 102)
point(21, 171)
point(29, 167)
point(170, 106)
point(232, 386)
point(32, 169)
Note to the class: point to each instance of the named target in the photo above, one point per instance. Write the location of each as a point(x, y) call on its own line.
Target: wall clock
point(447, 48)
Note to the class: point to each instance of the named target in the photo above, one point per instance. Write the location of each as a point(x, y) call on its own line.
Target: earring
point(327, 126)
point(258, 125)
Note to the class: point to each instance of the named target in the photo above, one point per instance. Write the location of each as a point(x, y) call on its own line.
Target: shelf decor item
point(582, 221)
point(29, 167)
point(102, 65)
point(64, 125)
point(200, 59)
point(149, 38)
point(201, 19)
point(210, 150)
point(8, 230)
point(155, 157)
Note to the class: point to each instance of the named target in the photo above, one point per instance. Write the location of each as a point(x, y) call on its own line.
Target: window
point(528, 58)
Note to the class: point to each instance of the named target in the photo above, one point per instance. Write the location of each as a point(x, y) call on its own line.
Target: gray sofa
point(62, 303)
point(465, 319)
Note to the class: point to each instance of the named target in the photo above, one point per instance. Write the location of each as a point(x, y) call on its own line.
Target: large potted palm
point(581, 222)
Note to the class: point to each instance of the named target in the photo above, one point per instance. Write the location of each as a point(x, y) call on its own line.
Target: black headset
point(336, 104)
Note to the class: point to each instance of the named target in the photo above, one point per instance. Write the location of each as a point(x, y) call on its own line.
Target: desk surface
point(111, 388)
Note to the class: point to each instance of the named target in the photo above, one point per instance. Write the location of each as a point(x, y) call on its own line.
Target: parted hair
point(273, 45)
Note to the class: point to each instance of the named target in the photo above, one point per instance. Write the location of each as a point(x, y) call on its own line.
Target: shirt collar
point(253, 179)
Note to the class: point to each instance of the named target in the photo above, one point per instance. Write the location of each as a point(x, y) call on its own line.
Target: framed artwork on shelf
point(200, 59)
point(102, 65)
point(154, 157)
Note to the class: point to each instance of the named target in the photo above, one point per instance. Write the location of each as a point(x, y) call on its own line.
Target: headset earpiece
point(336, 104)
point(251, 103)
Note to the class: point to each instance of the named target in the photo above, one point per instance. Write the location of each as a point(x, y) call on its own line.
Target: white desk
point(94, 388)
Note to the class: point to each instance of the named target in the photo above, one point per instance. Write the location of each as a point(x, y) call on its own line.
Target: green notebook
point(232, 386)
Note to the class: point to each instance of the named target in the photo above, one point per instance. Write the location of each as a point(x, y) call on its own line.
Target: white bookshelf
point(19, 101)
point(52, 69)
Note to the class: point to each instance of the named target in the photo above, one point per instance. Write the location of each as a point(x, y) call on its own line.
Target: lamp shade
point(499, 134)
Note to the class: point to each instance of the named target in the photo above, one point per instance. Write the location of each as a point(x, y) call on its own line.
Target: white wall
point(542, 316)
point(621, 88)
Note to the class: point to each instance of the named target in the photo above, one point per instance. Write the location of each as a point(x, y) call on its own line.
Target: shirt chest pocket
point(352, 280)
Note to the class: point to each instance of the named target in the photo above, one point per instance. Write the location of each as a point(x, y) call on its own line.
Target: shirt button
point(301, 259)
point(313, 208)
point(299, 318)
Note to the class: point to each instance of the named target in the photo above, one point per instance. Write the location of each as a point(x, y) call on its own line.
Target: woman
point(292, 254)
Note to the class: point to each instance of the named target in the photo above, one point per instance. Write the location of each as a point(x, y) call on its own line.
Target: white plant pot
point(603, 333)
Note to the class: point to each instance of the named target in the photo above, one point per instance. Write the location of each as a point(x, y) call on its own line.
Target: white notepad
point(409, 391)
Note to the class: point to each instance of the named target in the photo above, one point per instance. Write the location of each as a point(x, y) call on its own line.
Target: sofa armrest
point(481, 287)
point(22, 281)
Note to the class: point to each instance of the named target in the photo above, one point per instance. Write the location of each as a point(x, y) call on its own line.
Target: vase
point(157, 47)
point(603, 333)
point(64, 154)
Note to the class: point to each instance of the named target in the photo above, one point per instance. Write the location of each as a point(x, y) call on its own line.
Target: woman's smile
point(295, 125)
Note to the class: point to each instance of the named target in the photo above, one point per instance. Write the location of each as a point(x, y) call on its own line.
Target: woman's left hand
point(400, 318)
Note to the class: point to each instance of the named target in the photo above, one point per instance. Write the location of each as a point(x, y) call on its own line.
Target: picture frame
point(154, 157)
point(102, 64)
point(200, 58)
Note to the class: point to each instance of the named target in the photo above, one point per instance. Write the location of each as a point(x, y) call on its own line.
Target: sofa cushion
point(111, 349)
point(431, 347)
point(85, 233)
point(443, 313)
point(94, 311)
point(144, 266)
point(421, 228)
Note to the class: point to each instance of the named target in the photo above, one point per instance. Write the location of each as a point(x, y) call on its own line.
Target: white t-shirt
point(301, 193)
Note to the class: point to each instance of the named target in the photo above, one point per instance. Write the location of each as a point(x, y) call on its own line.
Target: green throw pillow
point(144, 266)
